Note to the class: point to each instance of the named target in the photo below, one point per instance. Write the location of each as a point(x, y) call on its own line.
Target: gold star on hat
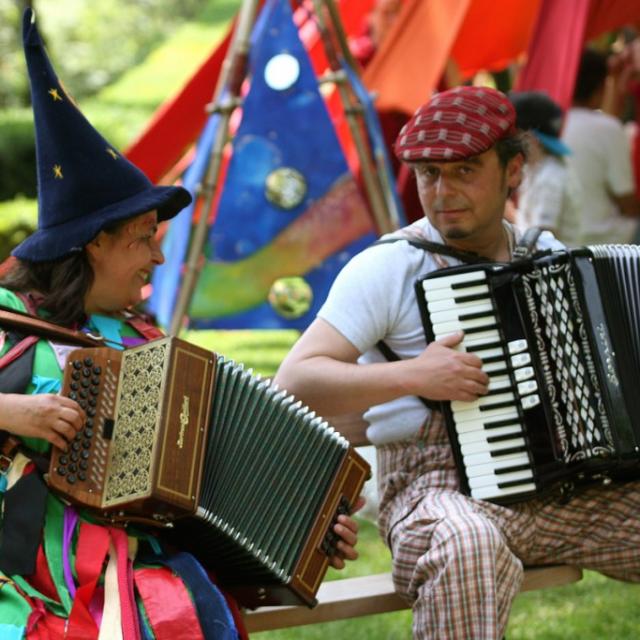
point(57, 172)
point(54, 94)
point(112, 153)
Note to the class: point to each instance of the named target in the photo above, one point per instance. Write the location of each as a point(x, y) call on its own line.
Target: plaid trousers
point(459, 561)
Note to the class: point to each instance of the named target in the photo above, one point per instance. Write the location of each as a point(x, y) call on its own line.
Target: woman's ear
point(94, 247)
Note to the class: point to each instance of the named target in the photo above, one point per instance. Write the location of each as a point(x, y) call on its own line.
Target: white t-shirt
point(602, 160)
point(373, 299)
point(550, 197)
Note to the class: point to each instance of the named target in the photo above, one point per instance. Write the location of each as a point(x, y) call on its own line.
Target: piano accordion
point(246, 478)
point(559, 337)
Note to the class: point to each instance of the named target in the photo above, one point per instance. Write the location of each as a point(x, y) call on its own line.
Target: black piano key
point(510, 450)
point(473, 316)
point(514, 483)
point(467, 285)
point(499, 405)
point(486, 327)
point(520, 467)
point(508, 436)
point(494, 424)
point(475, 297)
point(488, 345)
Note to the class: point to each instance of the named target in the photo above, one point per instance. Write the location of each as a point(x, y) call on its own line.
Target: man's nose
point(156, 253)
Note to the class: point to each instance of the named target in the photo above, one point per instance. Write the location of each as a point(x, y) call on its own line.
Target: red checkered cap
point(456, 124)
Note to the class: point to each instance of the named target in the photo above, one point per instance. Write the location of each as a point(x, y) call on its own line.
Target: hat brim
point(552, 144)
point(60, 240)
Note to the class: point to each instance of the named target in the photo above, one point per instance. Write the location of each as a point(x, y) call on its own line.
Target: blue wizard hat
point(84, 183)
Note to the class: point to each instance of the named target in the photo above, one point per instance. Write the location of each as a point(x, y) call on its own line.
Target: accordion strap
point(32, 325)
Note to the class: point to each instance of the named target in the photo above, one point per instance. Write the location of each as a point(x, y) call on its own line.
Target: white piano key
point(507, 462)
point(479, 339)
point(464, 325)
point(432, 284)
point(490, 367)
point(449, 294)
point(528, 402)
point(492, 492)
point(477, 416)
point(526, 387)
point(484, 448)
point(499, 382)
point(517, 346)
point(482, 434)
point(524, 373)
point(454, 313)
point(483, 481)
point(520, 360)
point(460, 407)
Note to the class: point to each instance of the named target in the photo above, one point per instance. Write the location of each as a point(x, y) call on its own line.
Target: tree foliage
point(90, 43)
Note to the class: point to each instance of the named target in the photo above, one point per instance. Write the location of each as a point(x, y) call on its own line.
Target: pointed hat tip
point(30, 33)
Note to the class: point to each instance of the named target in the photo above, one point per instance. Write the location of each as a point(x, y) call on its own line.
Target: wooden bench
point(367, 595)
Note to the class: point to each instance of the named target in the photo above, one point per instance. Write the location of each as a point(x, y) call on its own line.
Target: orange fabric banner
point(494, 33)
point(413, 56)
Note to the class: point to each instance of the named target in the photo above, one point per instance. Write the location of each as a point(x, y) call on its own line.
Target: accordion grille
point(137, 415)
point(578, 413)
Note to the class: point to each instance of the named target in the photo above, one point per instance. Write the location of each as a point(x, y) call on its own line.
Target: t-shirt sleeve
point(362, 303)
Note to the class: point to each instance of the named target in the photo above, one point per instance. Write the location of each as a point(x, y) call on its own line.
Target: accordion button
point(74, 386)
point(86, 373)
point(95, 380)
point(77, 364)
point(91, 412)
point(72, 468)
point(74, 456)
point(63, 460)
point(86, 444)
point(71, 479)
point(73, 395)
point(85, 454)
point(83, 393)
point(85, 383)
point(84, 465)
point(62, 471)
point(94, 391)
point(92, 402)
point(88, 362)
point(76, 375)
point(97, 370)
point(83, 404)
point(75, 445)
point(88, 433)
point(89, 422)
point(82, 476)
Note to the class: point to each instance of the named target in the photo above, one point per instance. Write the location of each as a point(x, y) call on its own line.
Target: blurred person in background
point(550, 194)
point(601, 154)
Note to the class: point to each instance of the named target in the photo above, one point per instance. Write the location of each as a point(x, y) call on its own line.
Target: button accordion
point(559, 337)
point(247, 478)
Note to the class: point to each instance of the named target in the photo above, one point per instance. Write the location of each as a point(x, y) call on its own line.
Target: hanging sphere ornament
point(281, 72)
point(285, 187)
point(290, 297)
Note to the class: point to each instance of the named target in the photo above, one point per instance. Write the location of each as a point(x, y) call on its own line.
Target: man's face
point(465, 199)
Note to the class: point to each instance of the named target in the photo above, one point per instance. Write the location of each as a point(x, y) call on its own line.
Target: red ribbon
point(168, 606)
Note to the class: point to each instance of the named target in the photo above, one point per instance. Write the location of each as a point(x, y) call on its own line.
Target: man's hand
point(440, 373)
point(54, 418)
point(347, 529)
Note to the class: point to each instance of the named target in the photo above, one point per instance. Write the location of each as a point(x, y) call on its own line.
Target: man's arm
point(322, 371)
point(627, 204)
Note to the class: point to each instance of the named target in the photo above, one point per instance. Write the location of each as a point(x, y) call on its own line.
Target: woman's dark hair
point(63, 283)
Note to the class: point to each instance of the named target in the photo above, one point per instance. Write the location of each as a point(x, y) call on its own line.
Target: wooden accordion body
point(559, 337)
point(249, 480)
point(141, 451)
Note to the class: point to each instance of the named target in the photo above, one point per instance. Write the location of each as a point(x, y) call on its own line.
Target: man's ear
point(514, 172)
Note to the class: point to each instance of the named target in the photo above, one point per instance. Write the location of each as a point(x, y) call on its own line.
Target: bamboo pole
point(226, 99)
point(353, 110)
point(385, 177)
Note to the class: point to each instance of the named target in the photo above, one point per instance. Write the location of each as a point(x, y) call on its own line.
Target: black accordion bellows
point(269, 464)
point(559, 336)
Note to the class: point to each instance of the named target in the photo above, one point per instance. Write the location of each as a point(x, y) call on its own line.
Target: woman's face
point(122, 263)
